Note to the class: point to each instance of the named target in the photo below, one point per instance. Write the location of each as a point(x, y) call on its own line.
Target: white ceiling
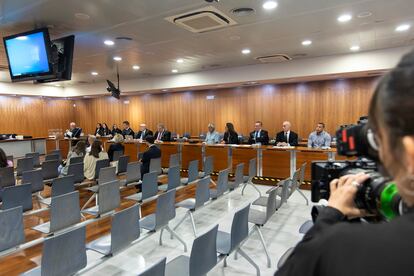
point(157, 43)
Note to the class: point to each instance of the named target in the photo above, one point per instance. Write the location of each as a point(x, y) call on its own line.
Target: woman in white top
point(77, 151)
point(212, 136)
point(89, 163)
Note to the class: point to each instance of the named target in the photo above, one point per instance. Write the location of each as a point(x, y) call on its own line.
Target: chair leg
point(303, 195)
point(180, 222)
point(244, 255)
point(39, 196)
point(225, 262)
point(162, 230)
point(193, 224)
point(178, 237)
point(89, 201)
point(269, 263)
point(253, 185)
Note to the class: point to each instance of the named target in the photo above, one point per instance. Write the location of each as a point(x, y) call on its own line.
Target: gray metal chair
point(64, 212)
point(108, 200)
point(202, 195)
point(103, 163)
point(35, 178)
point(192, 173)
point(24, 164)
point(202, 259)
point(124, 230)
point(222, 185)
point(117, 154)
point(12, 229)
point(58, 152)
point(60, 186)
point(149, 188)
point(230, 242)
point(122, 164)
point(76, 169)
point(174, 161)
point(50, 170)
point(173, 179)
point(7, 177)
point(306, 226)
point(262, 200)
point(157, 269)
point(50, 157)
point(76, 160)
point(208, 167)
point(56, 261)
point(133, 175)
point(36, 158)
point(155, 165)
point(20, 195)
point(238, 177)
point(107, 174)
point(301, 180)
point(160, 219)
point(293, 185)
point(248, 180)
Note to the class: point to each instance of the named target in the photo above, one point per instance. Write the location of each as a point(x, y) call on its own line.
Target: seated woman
point(230, 135)
point(98, 130)
point(105, 130)
point(77, 151)
point(89, 163)
point(116, 146)
point(3, 160)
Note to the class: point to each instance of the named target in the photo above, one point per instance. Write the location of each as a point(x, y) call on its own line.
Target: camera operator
point(338, 244)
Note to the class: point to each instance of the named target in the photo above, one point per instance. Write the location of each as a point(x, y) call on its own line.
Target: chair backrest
point(155, 165)
point(53, 156)
point(7, 177)
point(222, 182)
point(50, 169)
point(56, 261)
point(77, 171)
point(192, 171)
point(58, 152)
point(204, 253)
point(117, 154)
point(202, 194)
point(157, 269)
point(107, 174)
point(123, 163)
point(174, 160)
point(24, 164)
point(64, 211)
point(109, 197)
point(103, 163)
point(239, 227)
point(165, 209)
point(12, 229)
point(302, 174)
point(173, 177)
point(36, 158)
point(294, 184)
point(133, 173)
point(63, 185)
point(271, 204)
point(124, 228)
point(208, 166)
point(149, 185)
point(285, 190)
point(35, 178)
point(76, 160)
point(238, 176)
point(20, 195)
point(252, 168)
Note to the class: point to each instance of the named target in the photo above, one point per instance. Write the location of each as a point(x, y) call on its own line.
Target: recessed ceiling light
point(306, 42)
point(174, 70)
point(246, 51)
point(109, 42)
point(402, 28)
point(164, 90)
point(94, 73)
point(269, 5)
point(82, 16)
point(57, 85)
point(180, 60)
point(117, 58)
point(344, 18)
point(364, 14)
point(136, 67)
point(354, 48)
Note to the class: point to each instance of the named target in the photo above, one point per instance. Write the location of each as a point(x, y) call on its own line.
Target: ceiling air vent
point(274, 58)
point(202, 20)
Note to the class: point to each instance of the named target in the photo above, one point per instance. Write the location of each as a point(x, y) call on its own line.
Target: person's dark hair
point(105, 126)
point(392, 104)
point(150, 139)
point(230, 127)
point(322, 124)
point(3, 159)
point(96, 148)
point(80, 148)
point(259, 122)
point(126, 122)
point(99, 125)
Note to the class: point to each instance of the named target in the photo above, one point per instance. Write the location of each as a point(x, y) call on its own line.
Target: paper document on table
point(280, 147)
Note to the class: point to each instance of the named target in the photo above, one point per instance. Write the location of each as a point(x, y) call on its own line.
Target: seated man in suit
point(143, 132)
point(286, 137)
point(162, 134)
point(73, 131)
point(127, 130)
point(152, 152)
point(319, 138)
point(259, 135)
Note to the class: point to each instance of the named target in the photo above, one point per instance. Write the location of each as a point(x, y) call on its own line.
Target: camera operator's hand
point(343, 191)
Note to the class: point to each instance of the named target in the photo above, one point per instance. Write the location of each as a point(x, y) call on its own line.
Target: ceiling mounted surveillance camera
point(211, 1)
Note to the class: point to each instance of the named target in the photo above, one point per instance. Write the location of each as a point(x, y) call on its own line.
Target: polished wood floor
point(24, 260)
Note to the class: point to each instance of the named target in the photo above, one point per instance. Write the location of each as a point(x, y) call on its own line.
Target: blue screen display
point(27, 54)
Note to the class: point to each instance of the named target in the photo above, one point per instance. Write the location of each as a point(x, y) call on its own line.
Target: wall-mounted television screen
point(28, 55)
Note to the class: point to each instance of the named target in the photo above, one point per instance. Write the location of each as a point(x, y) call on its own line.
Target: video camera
point(377, 195)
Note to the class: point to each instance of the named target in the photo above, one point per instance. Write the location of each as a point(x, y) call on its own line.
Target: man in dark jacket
point(259, 135)
point(143, 132)
point(287, 137)
point(162, 134)
point(151, 153)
